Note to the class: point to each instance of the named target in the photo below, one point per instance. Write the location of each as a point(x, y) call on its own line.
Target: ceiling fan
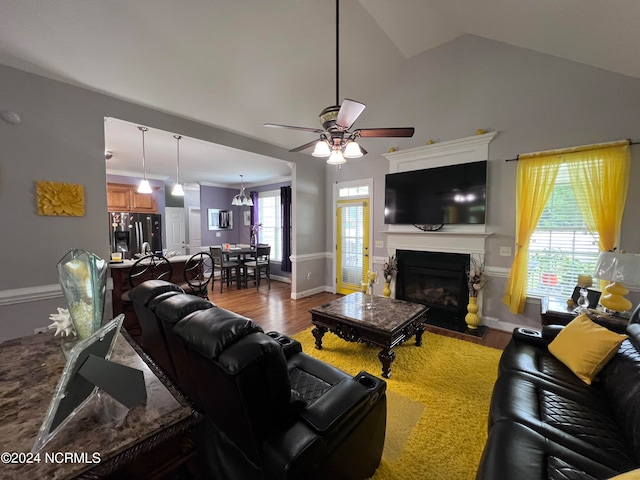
point(336, 140)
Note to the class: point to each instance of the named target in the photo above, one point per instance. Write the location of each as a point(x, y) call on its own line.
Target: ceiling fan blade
point(304, 129)
point(349, 112)
point(385, 132)
point(305, 146)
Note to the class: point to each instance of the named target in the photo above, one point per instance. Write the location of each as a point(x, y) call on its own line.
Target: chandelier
point(241, 199)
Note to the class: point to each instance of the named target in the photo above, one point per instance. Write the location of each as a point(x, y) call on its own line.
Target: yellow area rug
point(437, 402)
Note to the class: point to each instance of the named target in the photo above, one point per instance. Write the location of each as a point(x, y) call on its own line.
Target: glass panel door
point(352, 244)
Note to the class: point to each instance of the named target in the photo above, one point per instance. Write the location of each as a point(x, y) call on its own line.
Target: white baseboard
point(308, 293)
point(497, 324)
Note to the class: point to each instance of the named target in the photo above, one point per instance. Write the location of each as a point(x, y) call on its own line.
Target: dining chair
point(260, 267)
point(229, 270)
point(198, 272)
point(153, 266)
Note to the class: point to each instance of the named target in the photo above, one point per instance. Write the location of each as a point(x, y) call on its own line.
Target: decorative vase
point(252, 239)
point(387, 289)
point(472, 319)
point(83, 277)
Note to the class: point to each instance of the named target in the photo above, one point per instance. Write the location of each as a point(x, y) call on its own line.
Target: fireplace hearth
point(437, 280)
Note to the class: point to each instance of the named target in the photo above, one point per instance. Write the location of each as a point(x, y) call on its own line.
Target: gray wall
point(61, 138)
point(535, 102)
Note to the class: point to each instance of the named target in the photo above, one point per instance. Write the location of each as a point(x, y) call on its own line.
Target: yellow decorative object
point(430, 142)
point(480, 131)
point(391, 150)
point(387, 290)
point(585, 347)
point(585, 281)
point(630, 475)
point(472, 319)
point(60, 199)
point(614, 298)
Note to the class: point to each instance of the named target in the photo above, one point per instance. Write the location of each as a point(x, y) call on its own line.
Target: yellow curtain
point(536, 177)
point(600, 180)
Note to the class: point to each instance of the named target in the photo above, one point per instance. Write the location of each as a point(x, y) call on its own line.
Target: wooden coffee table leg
point(318, 333)
point(419, 332)
point(386, 357)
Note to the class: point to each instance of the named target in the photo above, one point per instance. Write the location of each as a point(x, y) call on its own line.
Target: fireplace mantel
point(453, 241)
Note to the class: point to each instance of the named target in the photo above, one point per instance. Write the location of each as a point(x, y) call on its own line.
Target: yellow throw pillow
point(585, 347)
point(632, 475)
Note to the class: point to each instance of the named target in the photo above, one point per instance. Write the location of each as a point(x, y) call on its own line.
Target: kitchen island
point(120, 276)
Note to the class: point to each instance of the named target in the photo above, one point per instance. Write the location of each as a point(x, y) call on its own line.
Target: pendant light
point(177, 189)
point(144, 186)
point(241, 199)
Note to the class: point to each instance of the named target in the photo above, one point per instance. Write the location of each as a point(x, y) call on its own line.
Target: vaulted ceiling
point(237, 64)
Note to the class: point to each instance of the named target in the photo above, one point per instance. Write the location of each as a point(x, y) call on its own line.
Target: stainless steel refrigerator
point(128, 232)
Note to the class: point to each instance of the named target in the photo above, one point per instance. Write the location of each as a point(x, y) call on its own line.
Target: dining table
point(243, 254)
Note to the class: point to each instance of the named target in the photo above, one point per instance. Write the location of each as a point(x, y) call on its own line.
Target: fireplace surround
point(437, 280)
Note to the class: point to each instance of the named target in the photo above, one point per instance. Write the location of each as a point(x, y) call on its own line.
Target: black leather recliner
point(271, 411)
point(544, 422)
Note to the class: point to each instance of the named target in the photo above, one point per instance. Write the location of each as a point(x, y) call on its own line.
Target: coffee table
point(389, 324)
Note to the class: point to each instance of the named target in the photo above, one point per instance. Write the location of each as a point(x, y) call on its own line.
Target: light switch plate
point(505, 251)
point(379, 244)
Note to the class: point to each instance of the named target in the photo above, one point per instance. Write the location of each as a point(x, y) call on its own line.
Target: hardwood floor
point(274, 309)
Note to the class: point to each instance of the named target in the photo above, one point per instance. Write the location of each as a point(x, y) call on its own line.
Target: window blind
point(561, 248)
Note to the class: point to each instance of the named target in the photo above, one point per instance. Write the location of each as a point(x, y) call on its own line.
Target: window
point(269, 217)
point(561, 247)
point(357, 191)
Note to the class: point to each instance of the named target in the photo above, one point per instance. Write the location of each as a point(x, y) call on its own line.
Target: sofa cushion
point(175, 308)
point(585, 347)
point(147, 291)
point(514, 451)
point(619, 379)
point(521, 355)
point(212, 331)
point(582, 420)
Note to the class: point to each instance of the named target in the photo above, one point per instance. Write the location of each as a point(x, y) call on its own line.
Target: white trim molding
point(462, 150)
point(29, 294)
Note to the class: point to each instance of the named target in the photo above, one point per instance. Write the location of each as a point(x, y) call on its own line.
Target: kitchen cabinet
point(125, 198)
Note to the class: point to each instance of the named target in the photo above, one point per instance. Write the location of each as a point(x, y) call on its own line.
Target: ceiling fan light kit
point(336, 158)
point(336, 141)
point(321, 149)
point(352, 150)
point(144, 186)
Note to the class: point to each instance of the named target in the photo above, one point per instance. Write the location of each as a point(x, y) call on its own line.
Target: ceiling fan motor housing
point(328, 117)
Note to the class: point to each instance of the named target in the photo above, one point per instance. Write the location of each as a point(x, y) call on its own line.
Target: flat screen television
point(442, 195)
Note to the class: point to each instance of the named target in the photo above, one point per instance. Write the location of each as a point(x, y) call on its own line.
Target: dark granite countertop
point(30, 368)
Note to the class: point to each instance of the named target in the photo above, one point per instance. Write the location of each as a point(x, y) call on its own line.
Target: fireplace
point(437, 280)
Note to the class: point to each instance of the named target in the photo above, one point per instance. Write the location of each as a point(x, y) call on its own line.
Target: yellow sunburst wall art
point(60, 199)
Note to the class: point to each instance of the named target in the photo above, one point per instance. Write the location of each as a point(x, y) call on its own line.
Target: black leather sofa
point(546, 423)
point(271, 411)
